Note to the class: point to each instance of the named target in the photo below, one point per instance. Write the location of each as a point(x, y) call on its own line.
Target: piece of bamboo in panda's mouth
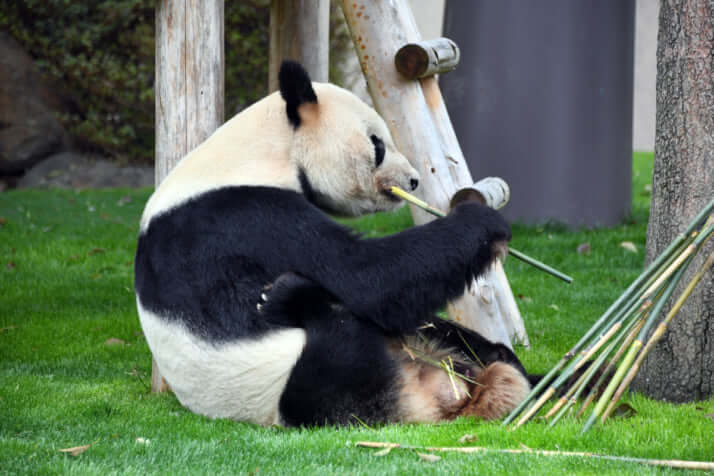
point(513, 252)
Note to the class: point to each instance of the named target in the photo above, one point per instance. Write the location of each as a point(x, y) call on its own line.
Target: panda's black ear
point(295, 88)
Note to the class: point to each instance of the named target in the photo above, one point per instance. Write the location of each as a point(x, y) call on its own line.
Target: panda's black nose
point(413, 183)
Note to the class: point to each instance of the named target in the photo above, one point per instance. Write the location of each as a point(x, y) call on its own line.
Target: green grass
point(66, 288)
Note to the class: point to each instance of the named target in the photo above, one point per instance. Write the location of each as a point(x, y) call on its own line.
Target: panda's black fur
point(236, 264)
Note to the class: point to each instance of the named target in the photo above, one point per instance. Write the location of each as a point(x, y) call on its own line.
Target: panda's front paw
point(484, 222)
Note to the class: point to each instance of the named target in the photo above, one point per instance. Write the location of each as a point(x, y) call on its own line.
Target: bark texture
point(681, 367)
point(189, 87)
point(299, 30)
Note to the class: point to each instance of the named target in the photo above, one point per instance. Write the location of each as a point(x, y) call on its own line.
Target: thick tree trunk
point(189, 86)
point(681, 367)
point(299, 30)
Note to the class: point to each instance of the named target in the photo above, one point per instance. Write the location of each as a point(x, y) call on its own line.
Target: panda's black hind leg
point(344, 376)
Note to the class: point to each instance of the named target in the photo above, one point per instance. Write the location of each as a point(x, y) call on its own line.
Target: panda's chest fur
point(204, 263)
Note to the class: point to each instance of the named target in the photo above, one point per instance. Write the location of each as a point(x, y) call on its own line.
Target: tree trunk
point(299, 30)
point(681, 367)
point(189, 86)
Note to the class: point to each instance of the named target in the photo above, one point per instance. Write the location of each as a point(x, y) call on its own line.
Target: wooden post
point(189, 86)
point(299, 30)
point(418, 120)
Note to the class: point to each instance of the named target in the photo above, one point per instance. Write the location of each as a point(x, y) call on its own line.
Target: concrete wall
point(643, 125)
point(429, 15)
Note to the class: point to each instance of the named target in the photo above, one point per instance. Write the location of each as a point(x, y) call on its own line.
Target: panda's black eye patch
point(378, 149)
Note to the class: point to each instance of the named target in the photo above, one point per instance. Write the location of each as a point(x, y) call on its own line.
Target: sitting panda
point(260, 308)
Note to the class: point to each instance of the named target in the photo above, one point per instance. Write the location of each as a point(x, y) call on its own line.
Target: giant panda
point(258, 307)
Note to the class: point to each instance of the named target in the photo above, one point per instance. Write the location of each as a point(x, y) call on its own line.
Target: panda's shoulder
point(239, 206)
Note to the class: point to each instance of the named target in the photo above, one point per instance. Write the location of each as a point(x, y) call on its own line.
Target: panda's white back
point(252, 148)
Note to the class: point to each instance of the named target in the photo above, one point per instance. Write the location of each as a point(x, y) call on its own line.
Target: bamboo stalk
point(630, 296)
point(573, 393)
point(610, 366)
point(513, 252)
point(669, 463)
point(636, 304)
point(657, 334)
point(539, 403)
point(576, 388)
point(634, 349)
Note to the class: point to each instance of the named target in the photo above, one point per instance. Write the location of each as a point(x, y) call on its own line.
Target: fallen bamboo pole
point(630, 297)
point(669, 463)
point(657, 335)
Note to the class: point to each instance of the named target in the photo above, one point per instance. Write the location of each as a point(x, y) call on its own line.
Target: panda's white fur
point(210, 379)
point(224, 221)
point(259, 147)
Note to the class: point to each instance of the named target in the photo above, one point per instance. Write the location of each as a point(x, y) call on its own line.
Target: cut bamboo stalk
point(657, 335)
point(670, 463)
point(637, 303)
point(539, 403)
point(632, 353)
point(629, 296)
point(511, 251)
point(622, 341)
point(611, 365)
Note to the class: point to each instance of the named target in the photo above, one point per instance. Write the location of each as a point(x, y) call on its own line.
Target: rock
point(72, 170)
point(29, 130)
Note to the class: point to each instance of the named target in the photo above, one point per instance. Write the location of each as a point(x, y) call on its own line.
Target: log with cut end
point(427, 58)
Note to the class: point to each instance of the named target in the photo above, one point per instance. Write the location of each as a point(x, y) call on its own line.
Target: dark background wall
point(543, 98)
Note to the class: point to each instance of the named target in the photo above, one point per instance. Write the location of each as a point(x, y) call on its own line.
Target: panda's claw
point(259, 307)
point(263, 297)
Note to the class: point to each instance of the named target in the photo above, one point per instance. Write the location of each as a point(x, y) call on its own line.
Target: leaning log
point(417, 118)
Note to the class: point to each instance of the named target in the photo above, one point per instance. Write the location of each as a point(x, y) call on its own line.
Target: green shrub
point(102, 52)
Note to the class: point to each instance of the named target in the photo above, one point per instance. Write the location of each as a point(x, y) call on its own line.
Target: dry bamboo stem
point(637, 303)
point(657, 335)
point(593, 392)
point(669, 463)
point(632, 353)
point(629, 296)
point(577, 388)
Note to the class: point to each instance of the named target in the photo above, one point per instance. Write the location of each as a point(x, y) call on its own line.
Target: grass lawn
point(75, 369)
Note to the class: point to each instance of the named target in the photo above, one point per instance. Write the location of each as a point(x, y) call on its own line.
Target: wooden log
point(418, 120)
point(427, 58)
point(299, 30)
point(189, 86)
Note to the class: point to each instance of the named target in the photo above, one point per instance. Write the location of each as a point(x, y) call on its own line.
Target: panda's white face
point(345, 151)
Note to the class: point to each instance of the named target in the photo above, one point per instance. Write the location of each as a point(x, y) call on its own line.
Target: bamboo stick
point(513, 252)
point(632, 353)
point(657, 334)
point(628, 333)
point(669, 463)
point(585, 376)
point(611, 365)
point(632, 297)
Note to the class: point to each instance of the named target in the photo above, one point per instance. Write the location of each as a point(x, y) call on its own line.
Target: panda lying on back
point(258, 307)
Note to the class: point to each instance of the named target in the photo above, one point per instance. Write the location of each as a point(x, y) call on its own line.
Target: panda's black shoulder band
point(295, 88)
